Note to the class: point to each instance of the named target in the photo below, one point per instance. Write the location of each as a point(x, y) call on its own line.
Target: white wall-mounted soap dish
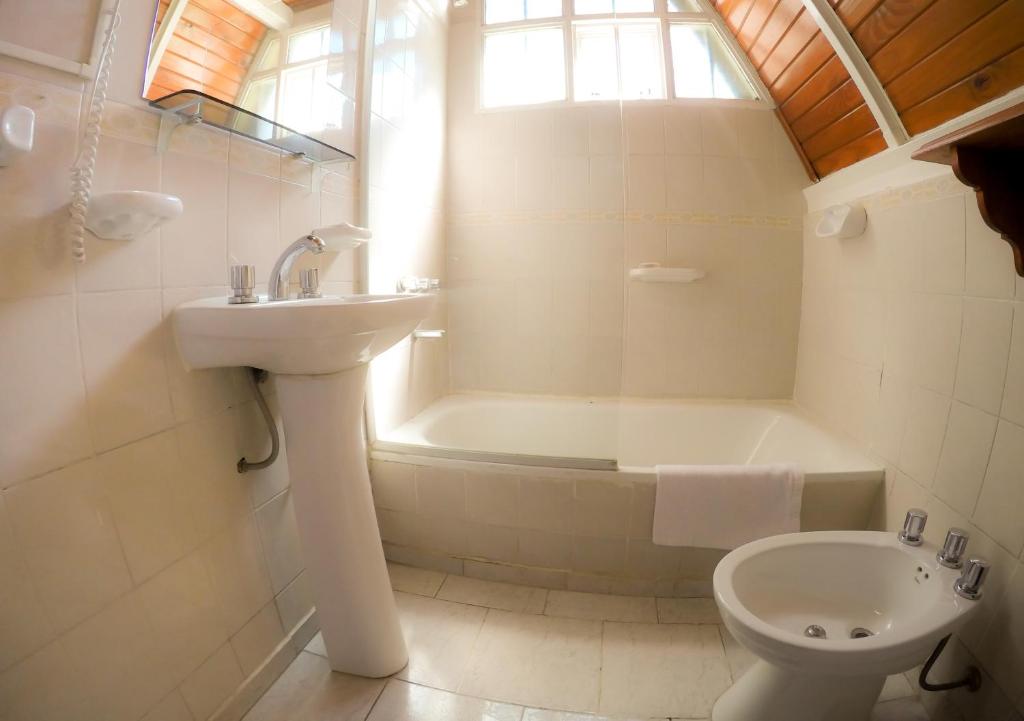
point(17, 132)
point(842, 221)
point(129, 214)
point(655, 273)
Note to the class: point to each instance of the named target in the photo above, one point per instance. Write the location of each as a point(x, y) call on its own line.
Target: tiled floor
point(484, 651)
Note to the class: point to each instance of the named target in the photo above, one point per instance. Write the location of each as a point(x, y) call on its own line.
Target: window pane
point(271, 55)
point(543, 8)
point(683, 6)
point(594, 7)
point(640, 61)
point(703, 67)
point(309, 44)
point(523, 67)
point(260, 97)
point(596, 71)
point(503, 11)
point(634, 6)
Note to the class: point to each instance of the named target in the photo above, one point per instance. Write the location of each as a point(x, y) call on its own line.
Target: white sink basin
point(306, 337)
point(881, 605)
point(320, 349)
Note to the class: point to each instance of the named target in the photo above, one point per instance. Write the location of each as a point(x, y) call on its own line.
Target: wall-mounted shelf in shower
point(655, 273)
point(191, 107)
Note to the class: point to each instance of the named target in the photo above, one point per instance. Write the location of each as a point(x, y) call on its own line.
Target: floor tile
point(906, 709)
point(739, 658)
point(310, 691)
point(440, 636)
point(538, 714)
point(403, 701)
point(688, 610)
point(662, 670)
point(601, 607)
point(421, 581)
point(896, 686)
point(502, 596)
point(538, 661)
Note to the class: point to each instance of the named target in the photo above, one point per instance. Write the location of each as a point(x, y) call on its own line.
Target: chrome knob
point(309, 279)
point(953, 548)
point(971, 580)
point(243, 280)
point(913, 527)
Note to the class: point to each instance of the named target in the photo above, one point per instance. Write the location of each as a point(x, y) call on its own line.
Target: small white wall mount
point(655, 273)
point(842, 221)
point(129, 214)
point(17, 132)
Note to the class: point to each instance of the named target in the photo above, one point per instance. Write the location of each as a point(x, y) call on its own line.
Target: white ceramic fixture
point(17, 132)
point(842, 221)
point(777, 593)
point(129, 214)
point(320, 349)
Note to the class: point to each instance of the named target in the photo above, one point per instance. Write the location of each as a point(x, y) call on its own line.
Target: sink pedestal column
point(323, 427)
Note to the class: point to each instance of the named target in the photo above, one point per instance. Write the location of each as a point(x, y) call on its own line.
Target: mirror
point(288, 61)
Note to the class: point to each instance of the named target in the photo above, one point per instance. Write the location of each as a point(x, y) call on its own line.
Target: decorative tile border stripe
point(513, 217)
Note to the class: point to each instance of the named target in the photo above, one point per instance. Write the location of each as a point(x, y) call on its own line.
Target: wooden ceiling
point(935, 59)
point(211, 50)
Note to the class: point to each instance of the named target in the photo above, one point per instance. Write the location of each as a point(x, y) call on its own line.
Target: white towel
point(726, 506)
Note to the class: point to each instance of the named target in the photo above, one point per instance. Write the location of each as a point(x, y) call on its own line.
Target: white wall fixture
point(842, 221)
point(129, 214)
point(655, 273)
point(17, 132)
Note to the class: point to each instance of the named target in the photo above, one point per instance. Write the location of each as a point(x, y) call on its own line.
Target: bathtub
point(560, 492)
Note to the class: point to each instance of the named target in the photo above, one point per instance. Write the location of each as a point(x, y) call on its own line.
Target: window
point(618, 60)
point(606, 50)
point(703, 66)
point(524, 67)
point(286, 89)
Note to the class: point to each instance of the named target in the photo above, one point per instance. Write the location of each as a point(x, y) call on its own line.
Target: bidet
point(830, 615)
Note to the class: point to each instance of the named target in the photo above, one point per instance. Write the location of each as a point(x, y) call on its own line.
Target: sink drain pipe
point(972, 680)
point(257, 376)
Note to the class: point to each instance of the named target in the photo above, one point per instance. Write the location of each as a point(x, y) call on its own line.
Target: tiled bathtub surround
point(140, 571)
point(560, 528)
point(912, 342)
point(549, 207)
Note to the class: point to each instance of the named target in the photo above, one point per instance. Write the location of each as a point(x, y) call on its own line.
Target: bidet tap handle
point(952, 553)
point(913, 527)
point(243, 280)
point(971, 580)
point(309, 278)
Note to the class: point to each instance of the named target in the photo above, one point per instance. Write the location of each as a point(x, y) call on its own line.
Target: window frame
point(566, 21)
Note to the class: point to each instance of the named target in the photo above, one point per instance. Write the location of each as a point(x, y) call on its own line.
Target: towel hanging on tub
point(726, 506)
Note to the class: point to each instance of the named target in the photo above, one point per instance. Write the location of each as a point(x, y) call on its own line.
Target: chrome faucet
point(277, 287)
point(913, 527)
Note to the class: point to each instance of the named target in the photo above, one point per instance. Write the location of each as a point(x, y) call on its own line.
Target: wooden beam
point(161, 39)
point(272, 13)
point(856, 64)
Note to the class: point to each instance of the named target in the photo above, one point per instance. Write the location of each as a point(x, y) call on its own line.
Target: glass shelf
point(191, 106)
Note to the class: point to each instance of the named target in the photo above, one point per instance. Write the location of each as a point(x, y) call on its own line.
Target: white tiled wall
point(549, 207)
point(140, 570)
point(912, 342)
point(406, 195)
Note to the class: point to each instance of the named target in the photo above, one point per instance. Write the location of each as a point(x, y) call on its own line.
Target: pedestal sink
point(319, 348)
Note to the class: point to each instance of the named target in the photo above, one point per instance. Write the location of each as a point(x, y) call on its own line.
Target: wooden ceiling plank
point(832, 107)
point(857, 65)
point(202, 56)
point(844, 131)
point(161, 39)
point(804, 160)
point(990, 38)
point(930, 30)
point(736, 15)
point(885, 22)
point(864, 147)
point(759, 13)
point(829, 77)
point(853, 12)
point(987, 84)
point(809, 61)
point(777, 25)
point(230, 12)
point(792, 44)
